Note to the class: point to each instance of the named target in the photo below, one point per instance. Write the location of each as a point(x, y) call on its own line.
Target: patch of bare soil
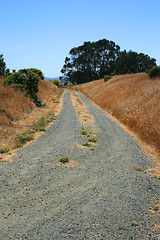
point(155, 171)
point(156, 227)
point(85, 117)
point(87, 121)
point(69, 164)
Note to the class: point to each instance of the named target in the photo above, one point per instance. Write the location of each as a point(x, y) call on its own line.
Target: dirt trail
point(103, 196)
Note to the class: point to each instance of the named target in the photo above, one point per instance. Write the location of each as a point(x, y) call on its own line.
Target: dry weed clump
point(134, 100)
point(17, 111)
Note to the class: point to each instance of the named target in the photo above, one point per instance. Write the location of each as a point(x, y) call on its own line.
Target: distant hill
point(50, 79)
point(64, 80)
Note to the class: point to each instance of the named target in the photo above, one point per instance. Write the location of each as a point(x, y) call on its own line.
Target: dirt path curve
point(102, 197)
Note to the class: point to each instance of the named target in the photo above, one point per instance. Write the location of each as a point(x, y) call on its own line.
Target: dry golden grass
point(134, 100)
point(47, 91)
point(18, 111)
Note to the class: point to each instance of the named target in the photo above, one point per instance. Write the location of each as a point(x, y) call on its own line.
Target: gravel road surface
point(102, 197)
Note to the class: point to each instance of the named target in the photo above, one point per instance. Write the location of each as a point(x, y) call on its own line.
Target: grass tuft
point(92, 139)
point(64, 159)
point(87, 144)
point(89, 136)
point(18, 145)
point(85, 132)
point(24, 137)
point(155, 208)
point(51, 117)
point(139, 169)
point(4, 150)
point(39, 125)
point(107, 77)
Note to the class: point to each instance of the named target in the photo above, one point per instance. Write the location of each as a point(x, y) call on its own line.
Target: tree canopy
point(93, 60)
point(26, 80)
point(3, 69)
point(133, 62)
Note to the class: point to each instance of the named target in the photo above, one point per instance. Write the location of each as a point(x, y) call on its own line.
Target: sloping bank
point(18, 112)
point(134, 100)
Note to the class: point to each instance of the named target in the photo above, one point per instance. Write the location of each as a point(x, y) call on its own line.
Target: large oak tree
point(133, 62)
point(93, 60)
point(90, 61)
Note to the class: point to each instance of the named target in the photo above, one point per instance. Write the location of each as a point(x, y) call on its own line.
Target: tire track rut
point(101, 198)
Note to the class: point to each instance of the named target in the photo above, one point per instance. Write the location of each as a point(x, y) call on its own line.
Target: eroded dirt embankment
point(18, 112)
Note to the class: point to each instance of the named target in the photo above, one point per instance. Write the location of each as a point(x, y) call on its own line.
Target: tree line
point(94, 60)
point(3, 68)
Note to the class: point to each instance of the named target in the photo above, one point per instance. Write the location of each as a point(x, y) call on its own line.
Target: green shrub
point(56, 82)
point(24, 137)
point(15, 78)
point(39, 101)
point(87, 144)
point(4, 150)
point(154, 72)
point(70, 85)
point(64, 159)
point(38, 72)
point(107, 77)
point(17, 145)
point(50, 117)
point(85, 132)
point(39, 125)
point(26, 80)
point(18, 86)
point(31, 84)
point(92, 139)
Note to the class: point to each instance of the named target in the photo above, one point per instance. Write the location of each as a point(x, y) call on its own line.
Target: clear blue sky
point(40, 33)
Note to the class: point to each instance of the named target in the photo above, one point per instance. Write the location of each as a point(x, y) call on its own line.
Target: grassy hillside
point(17, 111)
point(134, 100)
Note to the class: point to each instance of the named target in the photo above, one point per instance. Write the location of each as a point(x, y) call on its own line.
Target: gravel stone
point(102, 198)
